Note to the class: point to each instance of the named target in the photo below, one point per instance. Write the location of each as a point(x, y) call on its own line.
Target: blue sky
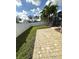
point(33, 7)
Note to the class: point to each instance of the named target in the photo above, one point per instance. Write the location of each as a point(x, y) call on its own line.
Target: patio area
point(48, 44)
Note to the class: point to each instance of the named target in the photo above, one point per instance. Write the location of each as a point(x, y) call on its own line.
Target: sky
point(33, 7)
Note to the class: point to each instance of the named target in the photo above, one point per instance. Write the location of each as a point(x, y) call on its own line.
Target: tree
point(49, 9)
point(53, 9)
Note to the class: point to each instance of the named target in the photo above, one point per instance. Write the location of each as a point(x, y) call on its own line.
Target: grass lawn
point(25, 43)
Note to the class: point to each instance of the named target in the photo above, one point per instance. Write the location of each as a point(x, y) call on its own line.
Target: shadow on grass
point(22, 38)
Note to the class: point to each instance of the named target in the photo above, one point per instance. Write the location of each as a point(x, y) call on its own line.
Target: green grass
point(25, 43)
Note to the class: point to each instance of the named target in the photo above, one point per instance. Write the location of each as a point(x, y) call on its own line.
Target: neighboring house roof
point(59, 11)
point(60, 14)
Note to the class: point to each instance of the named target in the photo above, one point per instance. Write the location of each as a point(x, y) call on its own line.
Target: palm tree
point(50, 9)
point(53, 9)
point(45, 14)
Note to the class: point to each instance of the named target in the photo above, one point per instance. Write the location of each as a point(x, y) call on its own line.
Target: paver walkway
point(48, 44)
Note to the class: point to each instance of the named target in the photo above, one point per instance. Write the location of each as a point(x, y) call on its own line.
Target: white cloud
point(32, 10)
point(47, 2)
point(34, 2)
point(53, 2)
point(36, 11)
point(18, 3)
point(36, 14)
point(24, 12)
point(22, 15)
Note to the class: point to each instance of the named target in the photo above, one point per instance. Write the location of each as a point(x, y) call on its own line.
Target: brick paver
point(48, 44)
